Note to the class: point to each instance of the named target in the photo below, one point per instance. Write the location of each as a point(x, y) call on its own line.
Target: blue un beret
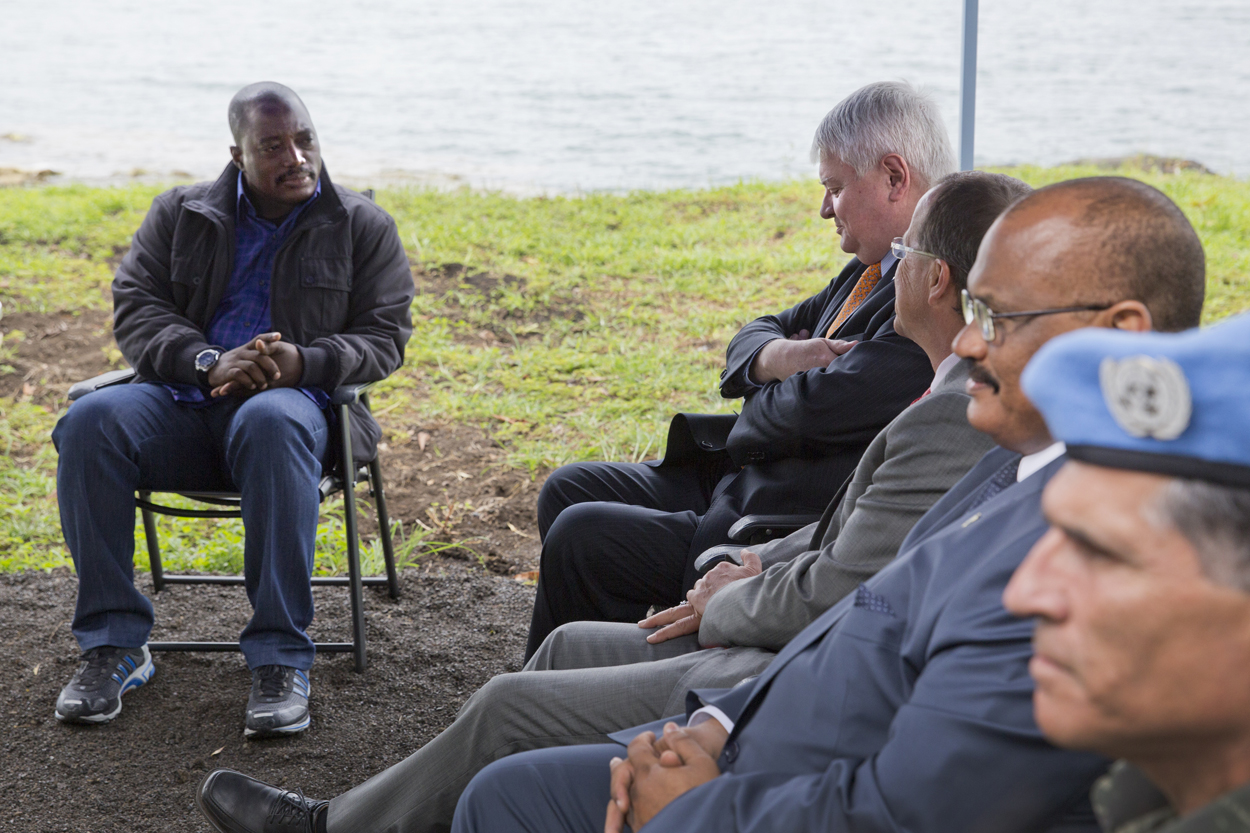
point(1176, 404)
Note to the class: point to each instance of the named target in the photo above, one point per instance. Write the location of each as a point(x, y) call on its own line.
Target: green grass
point(615, 317)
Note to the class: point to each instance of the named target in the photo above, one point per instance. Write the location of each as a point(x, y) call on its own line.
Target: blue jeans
point(127, 438)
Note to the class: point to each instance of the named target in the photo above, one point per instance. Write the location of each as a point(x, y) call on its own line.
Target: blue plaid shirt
point(243, 313)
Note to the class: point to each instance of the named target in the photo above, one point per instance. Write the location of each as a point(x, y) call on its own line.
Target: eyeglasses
point(975, 309)
point(901, 252)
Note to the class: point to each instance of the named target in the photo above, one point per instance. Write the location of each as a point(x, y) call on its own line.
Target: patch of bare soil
point(459, 487)
point(454, 627)
point(58, 350)
point(455, 284)
point(462, 618)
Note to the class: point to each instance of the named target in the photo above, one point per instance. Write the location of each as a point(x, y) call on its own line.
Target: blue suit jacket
point(906, 706)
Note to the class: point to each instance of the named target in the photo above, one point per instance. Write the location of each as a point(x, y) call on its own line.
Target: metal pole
point(968, 86)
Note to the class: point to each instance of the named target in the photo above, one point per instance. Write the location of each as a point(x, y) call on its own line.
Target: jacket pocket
point(188, 271)
point(325, 283)
point(326, 273)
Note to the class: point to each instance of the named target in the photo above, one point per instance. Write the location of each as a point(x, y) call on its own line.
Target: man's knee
point(88, 423)
point(562, 489)
point(501, 693)
point(564, 648)
point(573, 536)
point(278, 419)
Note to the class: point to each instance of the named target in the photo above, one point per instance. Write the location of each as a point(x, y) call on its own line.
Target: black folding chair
point(333, 483)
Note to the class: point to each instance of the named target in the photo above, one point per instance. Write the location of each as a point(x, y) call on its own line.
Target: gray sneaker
point(278, 704)
point(94, 693)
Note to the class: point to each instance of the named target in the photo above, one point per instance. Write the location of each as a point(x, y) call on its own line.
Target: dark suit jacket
point(798, 439)
point(906, 706)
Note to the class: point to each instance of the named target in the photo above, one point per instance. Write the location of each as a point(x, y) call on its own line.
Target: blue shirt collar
point(245, 209)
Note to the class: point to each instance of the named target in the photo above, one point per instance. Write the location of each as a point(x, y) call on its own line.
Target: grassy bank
point(568, 328)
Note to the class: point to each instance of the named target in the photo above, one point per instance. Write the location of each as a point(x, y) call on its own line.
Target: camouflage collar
point(1126, 802)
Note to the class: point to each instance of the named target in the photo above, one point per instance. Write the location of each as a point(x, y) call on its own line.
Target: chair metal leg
point(384, 526)
point(384, 517)
point(353, 540)
point(154, 546)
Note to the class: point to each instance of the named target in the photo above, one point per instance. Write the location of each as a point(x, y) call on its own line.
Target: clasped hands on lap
point(781, 358)
point(263, 363)
point(658, 770)
point(685, 617)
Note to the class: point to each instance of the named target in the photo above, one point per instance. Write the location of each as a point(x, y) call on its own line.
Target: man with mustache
point(241, 304)
point(1140, 591)
point(907, 706)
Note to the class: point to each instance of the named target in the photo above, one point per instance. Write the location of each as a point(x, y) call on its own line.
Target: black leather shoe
point(234, 803)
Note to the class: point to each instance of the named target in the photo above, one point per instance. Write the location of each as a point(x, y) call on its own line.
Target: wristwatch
point(204, 362)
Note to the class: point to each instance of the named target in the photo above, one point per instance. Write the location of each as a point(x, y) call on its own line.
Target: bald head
point(1117, 239)
point(265, 96)
point(275, 148)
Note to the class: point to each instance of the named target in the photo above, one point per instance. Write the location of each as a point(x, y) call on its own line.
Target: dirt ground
point(462, 618)
point(453, 628)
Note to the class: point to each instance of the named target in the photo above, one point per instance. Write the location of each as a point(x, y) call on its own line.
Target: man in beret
point(1140, 591)
point(241, 305)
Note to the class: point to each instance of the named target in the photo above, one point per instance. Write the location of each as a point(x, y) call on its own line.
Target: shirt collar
point(943, 368)
point(244, 207)
point(886, 262)
point(1031, 464)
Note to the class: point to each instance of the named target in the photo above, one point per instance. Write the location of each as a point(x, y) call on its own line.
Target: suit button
point(731, 751)
point(706, 443)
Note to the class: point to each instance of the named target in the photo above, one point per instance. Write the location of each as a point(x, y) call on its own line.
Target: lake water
point(571, 95)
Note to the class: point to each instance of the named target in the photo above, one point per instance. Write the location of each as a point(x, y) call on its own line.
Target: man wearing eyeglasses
point(1013, 307)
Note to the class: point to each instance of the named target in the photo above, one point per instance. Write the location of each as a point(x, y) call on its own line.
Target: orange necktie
point(862, 287)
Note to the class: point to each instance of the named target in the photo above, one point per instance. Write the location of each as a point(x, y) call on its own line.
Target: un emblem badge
point(1147, 397)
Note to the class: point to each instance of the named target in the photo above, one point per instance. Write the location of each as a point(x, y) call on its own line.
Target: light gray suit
point(603, 677)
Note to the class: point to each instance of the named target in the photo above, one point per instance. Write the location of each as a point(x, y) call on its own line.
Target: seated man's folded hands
point(256, 366)
point(658, 770)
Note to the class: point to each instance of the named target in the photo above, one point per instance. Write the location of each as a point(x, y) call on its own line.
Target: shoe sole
point(278, 731)
point(135, 679)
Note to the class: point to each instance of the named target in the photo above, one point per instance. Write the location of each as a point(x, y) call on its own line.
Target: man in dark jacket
point(620, 537)
point(241, 304)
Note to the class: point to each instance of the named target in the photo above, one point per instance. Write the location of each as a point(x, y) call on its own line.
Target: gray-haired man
point(621, 537)
point(910, 464)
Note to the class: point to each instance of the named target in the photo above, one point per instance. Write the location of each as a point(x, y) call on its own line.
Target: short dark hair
point(1216, 519)
point(961, 210)
point(1142, 239)
point(253, 95)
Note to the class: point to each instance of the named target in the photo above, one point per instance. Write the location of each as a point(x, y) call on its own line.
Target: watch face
point(205, 359)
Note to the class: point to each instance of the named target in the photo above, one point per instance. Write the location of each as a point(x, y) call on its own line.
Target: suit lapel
point(820, 628)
